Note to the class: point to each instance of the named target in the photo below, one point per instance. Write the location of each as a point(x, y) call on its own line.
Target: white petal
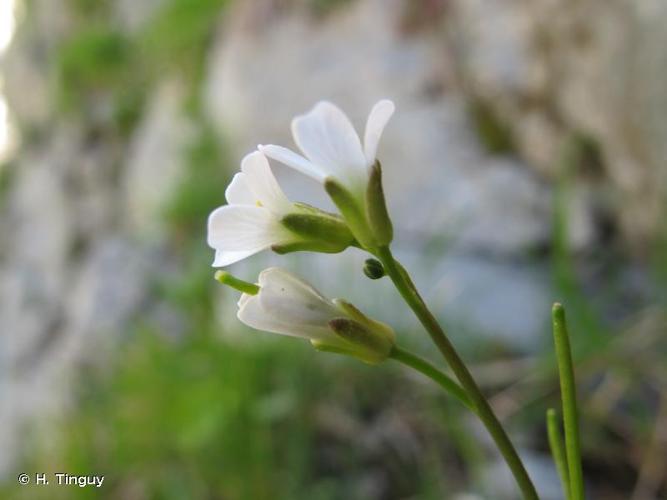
point(234, 228)
point(328, 139)
point(244, 298)
point(238, 192)
point(294, 301)
point(225, 258)
point(296, 161)
point(252, 313)
point(377, 119)
point(263, 184)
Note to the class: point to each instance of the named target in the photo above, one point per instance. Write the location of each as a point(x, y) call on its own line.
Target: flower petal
point(240, 228)
point(225, 258)
point(294, 160)
point(263, 184)
point(294, 301)
point(377, 120)
point(328, 139)
point(252, 313)
point(238, 192)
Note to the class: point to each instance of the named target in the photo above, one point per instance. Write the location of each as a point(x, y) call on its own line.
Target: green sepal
point(307, 246)
point(374, 326)
point(324, 347)
point(351, 310)
point(352, 212)
point(376, 207)
point(365, 344)
point(319, 227)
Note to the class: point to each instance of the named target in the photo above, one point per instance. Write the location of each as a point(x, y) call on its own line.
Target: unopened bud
point(373, 269)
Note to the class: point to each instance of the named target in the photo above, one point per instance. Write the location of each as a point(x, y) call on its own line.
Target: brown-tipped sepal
point(367, 344)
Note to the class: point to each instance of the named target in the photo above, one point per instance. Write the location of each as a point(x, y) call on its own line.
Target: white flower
point(250, 222)
point(331, 145)
point(287, 305)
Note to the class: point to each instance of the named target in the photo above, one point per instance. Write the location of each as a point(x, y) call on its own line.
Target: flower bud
point(285, 304)
point(373, 269)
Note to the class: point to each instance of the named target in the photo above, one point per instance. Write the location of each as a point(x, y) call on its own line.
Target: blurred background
point(525, 164)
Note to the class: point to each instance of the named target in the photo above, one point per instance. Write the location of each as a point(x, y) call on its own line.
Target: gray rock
point(493, 299)
point(155, 161)
point(552, 70)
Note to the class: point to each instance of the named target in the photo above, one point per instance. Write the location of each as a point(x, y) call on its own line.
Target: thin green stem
point(237, 284)
point(568, 392)
point(558, 451)
point(408, 291)
point(426, 368)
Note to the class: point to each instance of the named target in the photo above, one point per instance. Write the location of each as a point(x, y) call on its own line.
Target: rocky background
point(525, 164)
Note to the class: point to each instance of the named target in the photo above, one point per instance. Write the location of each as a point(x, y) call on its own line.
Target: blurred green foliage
point(202, 187)
point(178, 35)
point(90, 10)
point(6, 171)
point(324, 7)
point(494, 134)
point(197, 418)
point(98, 61)
point(578, 154)
point(95, 58)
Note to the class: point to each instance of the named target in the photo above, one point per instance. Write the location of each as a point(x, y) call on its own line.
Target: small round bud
point(373, 269)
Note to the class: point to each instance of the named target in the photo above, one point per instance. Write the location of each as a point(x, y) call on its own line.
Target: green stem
point(406, 288)
point(237, 284)
point(426, 368)
point(558, 451)
point(569, 399)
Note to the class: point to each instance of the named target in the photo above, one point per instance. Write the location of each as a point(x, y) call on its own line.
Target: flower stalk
point(408, 291)
point(424, 367)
